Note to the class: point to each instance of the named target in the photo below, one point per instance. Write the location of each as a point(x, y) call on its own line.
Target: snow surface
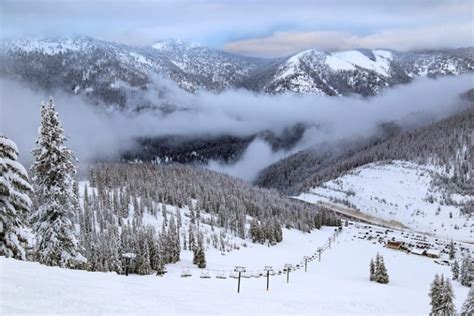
point(49, 47)
point(338, 64)
point(400, 191)
point(337, 285)
point(381, 65)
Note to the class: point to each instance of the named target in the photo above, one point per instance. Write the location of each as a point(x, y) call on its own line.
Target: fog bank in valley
point(97, 134)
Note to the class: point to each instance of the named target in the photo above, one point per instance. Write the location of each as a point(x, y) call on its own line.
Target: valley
point(236, 157)
point(399, 195)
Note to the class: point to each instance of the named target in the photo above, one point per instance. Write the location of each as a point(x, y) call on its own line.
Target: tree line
point(50, 222)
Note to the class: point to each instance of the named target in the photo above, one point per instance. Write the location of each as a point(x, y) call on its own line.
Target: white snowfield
point(400, 191)
point(338, 285)
point(342, 60)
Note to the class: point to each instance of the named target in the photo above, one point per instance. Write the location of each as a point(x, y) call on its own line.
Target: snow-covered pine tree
point(446, 305)
point(434, 294)
point(381, 275)
point(143, 266)
point(164, 212)
point(452, 250)
point(191, 238)
point(468, 306)
point(15, 202)
point(254, 230)
point(372, 270)
point(465, 277)
point(53, 178)
point(199, 257)
point(455, 270)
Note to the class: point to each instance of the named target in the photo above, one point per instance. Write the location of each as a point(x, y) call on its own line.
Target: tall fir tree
point(455, 270)
point(381, 275)
point(372, 270)
point(446, 305)
point(465, 273)
point(15, 202)
point(468, 306)
point(199, 257)
point(452, 250)
point(53, 179)
point(434, 294)
point(441, 295)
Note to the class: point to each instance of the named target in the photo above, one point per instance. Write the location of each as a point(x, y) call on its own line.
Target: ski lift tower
point(288, 268)
point(129, 256)
point(239, 269)
point(268, 269)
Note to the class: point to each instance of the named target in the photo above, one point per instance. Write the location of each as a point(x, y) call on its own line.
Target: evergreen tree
point(455, 270)
point(53, 178)
point(452, 250)
point(441, 294)
point(434, 294)
point(14, 202)
point(143, 266)
point(164, 213)
point(468, 306)
point(372, 270)
point(254, 230)
point(199, 257)
point(465, 274)
point(191, 239)
point(381, 275)
point(446, 305)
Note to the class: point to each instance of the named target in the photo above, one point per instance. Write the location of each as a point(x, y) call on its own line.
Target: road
point(356, 214)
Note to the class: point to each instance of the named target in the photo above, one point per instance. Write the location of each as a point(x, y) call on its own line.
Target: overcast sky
point(258, 28)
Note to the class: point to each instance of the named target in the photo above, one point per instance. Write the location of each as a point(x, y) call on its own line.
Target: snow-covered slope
point(361, 71)
point(110, 72)
point(401, 191)
point(336, 285)
point(215, 68)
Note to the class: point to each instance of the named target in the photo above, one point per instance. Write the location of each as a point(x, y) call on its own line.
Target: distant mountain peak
point(172, 44)
point(95, 68)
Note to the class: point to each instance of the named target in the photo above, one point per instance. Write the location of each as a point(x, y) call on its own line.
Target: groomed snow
point(337, 285)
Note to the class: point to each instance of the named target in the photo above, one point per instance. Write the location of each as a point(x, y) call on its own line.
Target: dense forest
point(447, 143)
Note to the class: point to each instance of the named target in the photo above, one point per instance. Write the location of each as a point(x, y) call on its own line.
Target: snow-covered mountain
point(118, 74)
point(362, 71)
point(214, 68)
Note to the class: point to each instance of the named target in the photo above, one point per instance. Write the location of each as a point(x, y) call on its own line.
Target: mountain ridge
point(117, 74)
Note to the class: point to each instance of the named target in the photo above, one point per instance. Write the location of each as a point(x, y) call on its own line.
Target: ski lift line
point(256, 271)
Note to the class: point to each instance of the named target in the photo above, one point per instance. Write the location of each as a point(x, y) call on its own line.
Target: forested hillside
point(448, 143)
point(153, 211)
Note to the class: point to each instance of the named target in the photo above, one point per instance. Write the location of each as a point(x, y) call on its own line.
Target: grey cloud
point(287, 43)
point(215, 22)
point(96, 134)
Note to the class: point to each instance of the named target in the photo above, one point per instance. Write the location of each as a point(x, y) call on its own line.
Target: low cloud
point(95, 134)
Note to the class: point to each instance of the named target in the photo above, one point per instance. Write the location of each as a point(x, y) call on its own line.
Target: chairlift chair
point(205, 275)
point(185, 273)
point(161, 271)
